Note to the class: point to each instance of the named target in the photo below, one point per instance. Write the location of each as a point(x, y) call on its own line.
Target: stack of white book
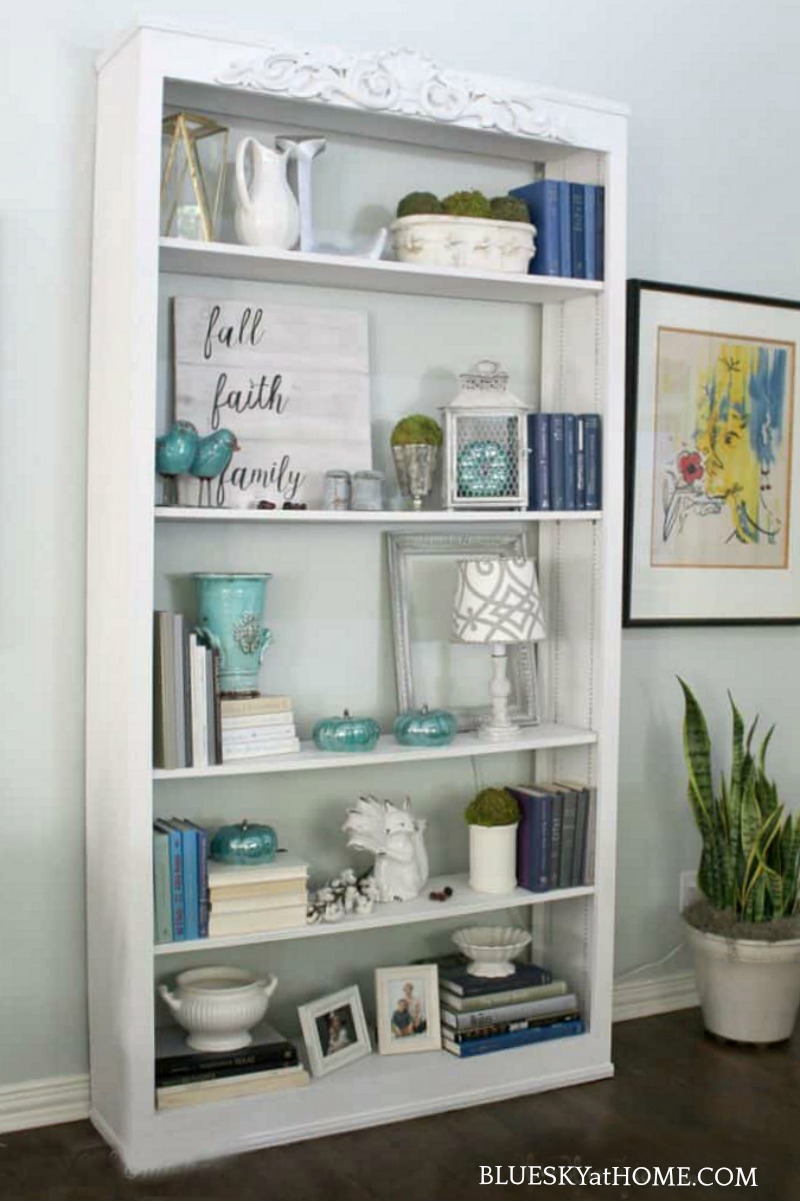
point(256, 726)
point(257, 899)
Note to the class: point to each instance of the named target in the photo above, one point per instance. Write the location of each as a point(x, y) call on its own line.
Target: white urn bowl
point(491, 950)
point(218, 1006)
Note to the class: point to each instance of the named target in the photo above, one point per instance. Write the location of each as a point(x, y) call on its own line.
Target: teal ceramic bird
point(213, 455)
point(175, 454)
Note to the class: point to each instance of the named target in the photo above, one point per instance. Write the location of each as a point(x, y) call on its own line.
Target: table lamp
point(497, 601)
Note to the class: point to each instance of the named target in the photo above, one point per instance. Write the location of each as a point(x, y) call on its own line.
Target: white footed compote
point(491, 950)
point(497, 602)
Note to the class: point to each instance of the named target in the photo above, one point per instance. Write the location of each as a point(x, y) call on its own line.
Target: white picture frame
point(335, 1031)
point(431, 669)
point(407, 1008)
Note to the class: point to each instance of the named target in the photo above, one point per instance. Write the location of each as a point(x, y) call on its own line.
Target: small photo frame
point(407, 1004)
point(335, 1031)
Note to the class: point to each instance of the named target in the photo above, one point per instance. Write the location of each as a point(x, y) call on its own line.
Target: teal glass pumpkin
point(346, 733)
point(425, 727)
point(244, 844)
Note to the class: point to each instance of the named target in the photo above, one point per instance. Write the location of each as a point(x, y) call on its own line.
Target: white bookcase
point(390, 119)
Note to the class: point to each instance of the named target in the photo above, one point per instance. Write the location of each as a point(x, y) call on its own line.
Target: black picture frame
point(734, 592)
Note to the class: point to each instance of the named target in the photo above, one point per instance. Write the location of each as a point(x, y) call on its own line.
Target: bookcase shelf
point(533, 738)
point(221, 259)
point(386, 517)
point(463, 902)
point(566, 339)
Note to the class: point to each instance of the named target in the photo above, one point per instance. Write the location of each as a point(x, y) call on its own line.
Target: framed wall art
point(291, 382)
point(712, 523)
point(431, 668)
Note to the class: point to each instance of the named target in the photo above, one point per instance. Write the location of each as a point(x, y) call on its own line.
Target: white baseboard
point(43, 1102)
point(644, 998)
point(66, 1098)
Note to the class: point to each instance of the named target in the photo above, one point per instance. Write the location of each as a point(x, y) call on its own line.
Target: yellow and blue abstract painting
point(723, 435)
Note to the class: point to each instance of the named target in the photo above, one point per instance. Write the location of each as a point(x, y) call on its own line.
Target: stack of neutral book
point(484, 1014)
point(253, 727)
point(188, 1077)
point(186, 717)
point(258, 899)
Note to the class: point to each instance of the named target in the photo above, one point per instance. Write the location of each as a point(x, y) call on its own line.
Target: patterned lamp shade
point(497, 600)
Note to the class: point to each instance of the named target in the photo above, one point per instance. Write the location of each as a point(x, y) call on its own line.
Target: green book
point(162, 898)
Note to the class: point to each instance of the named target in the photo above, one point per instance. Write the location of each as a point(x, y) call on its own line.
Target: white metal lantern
point(486, 443)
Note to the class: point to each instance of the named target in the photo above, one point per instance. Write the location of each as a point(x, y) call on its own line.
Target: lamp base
point(499, 733)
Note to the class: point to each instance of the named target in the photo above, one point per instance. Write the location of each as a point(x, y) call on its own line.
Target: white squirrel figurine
point(395, 837)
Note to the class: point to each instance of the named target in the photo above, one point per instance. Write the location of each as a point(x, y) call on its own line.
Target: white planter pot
point(493, 858)
point(473, 243)
point(749, 990)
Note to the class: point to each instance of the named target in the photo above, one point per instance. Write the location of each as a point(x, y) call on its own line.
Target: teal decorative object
point(244, 844)
point(214, 453)
point(346, 733)
point(231, 609)
point(175, 454)
point(425, 727)
point(483, 469)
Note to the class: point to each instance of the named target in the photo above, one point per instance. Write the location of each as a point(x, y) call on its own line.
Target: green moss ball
point(509, 208)
point(419, 202)
point(493, 807)
point(467, 204)
point(416, 430)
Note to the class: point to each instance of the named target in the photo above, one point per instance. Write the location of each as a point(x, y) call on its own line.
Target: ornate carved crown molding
point(402, 82)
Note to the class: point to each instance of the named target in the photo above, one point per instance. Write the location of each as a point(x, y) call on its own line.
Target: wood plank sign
point(291, 383)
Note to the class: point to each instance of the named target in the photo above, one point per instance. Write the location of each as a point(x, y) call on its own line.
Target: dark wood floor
point(678, 1099)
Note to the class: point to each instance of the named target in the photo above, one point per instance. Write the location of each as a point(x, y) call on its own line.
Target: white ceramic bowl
point(474, 243)
point(219, 1005)
point(491, 949)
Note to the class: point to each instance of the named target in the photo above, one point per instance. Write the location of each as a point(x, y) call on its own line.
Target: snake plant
point(750, 862)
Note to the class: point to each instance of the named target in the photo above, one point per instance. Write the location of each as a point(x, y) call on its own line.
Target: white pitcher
point(267, 213)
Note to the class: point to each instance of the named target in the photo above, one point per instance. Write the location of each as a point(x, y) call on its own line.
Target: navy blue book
point(590, 227)
point(577, 199)
point(514, 1038)
point(556, 834)
point(557, 461)
point(542, 201)
point(594, 456)
point(580, 463)
point(539, 461)
point(564, 228)
point(457, 980)
point(535, 852)
point(570, 478)
point(600, 230)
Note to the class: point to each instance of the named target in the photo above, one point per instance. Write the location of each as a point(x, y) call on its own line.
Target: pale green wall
point(712, 194)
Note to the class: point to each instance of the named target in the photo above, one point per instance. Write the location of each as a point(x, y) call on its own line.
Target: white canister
point(493, 858)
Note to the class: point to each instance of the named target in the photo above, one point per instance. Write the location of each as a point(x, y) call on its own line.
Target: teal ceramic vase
point(244, 844)
point(231, 609)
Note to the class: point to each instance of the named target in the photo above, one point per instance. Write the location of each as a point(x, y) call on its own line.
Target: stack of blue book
point(555, 836)
point(570, 228)
point(481, 1014)
point(564, 461)
point(180, 881)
